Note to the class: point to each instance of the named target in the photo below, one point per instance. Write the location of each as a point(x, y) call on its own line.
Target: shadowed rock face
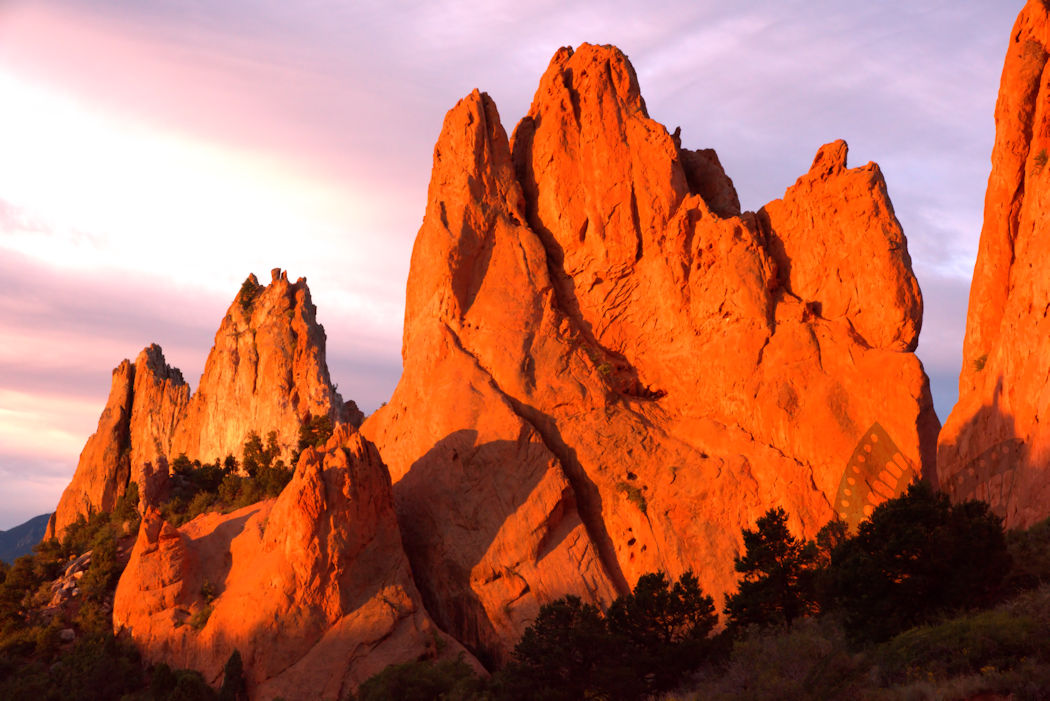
point(266, 372)
point(312, 588)
point(610, 370)
point(995, 445)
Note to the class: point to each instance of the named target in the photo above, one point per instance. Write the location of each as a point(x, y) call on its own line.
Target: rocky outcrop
point(135, 428)
point(995, 446)
point(103, 469)
point(609, 370)
point(312, 588)
point(161, 397)
point(266, 372)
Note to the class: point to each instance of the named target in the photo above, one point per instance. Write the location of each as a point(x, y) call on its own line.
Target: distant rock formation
point(145, 400)
point(995, 446)
point(266, 372)
point(312, 588)
point(610, 370)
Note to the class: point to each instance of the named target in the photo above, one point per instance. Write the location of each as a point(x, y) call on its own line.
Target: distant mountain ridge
point(20, 540)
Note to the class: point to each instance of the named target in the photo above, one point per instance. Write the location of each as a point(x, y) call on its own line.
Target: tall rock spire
point(995, 445)
point(266, 372)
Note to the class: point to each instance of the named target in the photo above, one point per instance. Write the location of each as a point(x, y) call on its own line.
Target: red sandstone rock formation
point(609, 370)
point(266, 372)
point(161, 396)
point(994, 445)
point(135, 428)
point(312, 588)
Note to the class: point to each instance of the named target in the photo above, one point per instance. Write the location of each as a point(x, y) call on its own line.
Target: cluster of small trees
point(228, 484)
point(642, 645)
point(34, 661)
point(917, 557)
point(38, 662)
point(224, 485)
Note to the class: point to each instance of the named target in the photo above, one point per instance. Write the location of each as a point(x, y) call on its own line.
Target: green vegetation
point(313, 433)
point(234, 685)
point(57, 649)
point(567, 653)
point(914, 604)
point(663, 631)
point(56, 630)
point(810, 660)
point(250, 291)
point(916, 558)
point(451, 680)
point(634, 495)
point(778, 583)
point(200, 619)
point(646, 644)
point(979, 363)
point(1004, 651)
point(925, 600)
point(1040, 160)
point(220, 486)
point(37, 662)
point(1030, 554)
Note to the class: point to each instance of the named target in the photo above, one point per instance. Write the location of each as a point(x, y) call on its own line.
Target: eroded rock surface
point(995, 446)
point(312, 588)
point(266, 372)
point(609, 370)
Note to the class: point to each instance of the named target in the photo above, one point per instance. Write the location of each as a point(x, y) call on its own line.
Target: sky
point(154, 154)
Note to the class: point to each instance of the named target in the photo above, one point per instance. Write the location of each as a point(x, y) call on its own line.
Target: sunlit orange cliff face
point(609, 369)
point(996, 444)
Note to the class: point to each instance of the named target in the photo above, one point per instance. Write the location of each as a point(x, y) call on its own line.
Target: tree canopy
point(918, 555)
point(777, 585)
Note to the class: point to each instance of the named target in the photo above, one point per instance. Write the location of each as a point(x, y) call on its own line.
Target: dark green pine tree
point(918, 556)
point(234, 685)
point(777, 586)
point(662, 631)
